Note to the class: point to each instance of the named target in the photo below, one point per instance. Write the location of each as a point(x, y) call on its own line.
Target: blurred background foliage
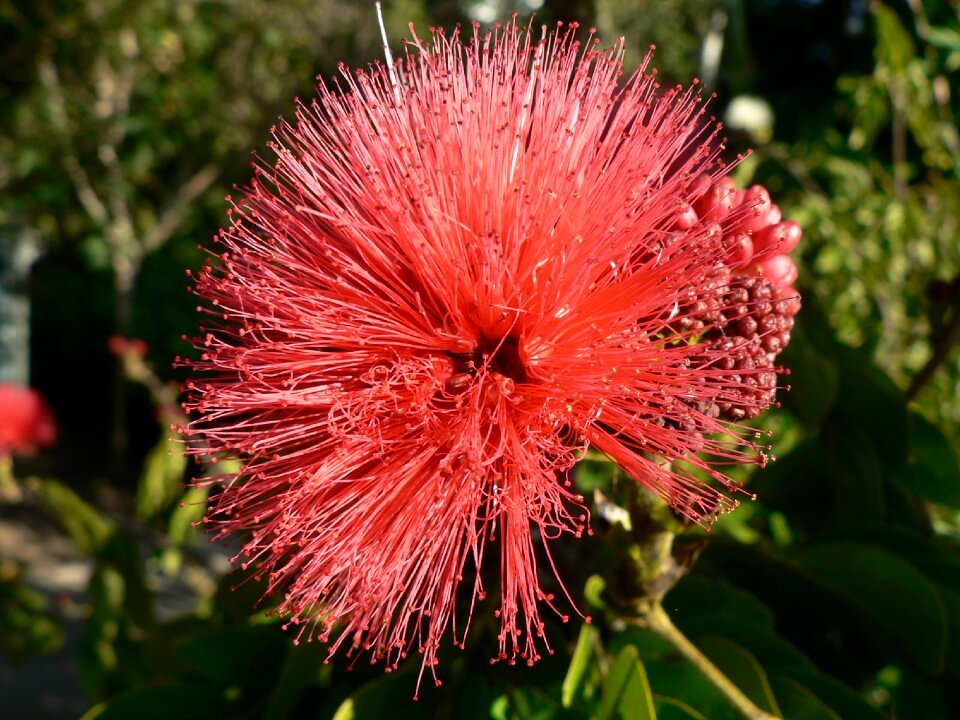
point(836, 594)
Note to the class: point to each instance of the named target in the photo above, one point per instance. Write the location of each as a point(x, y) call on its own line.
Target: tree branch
point(948, 338)
point(657, 620)
point(94, 206)
point(173, 213)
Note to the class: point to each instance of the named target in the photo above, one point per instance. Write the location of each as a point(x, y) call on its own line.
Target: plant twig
point(653, 568)
point(656, 619)
point(173, 214)
point(57, 107)
point(949, 338)
point(9, 490)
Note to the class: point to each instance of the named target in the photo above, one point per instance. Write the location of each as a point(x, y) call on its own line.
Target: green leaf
point(695, 594)
point(86, 525)
point(26, 624)
point(240, 594)
point(580, 664)
point(951, 601)
point(943, 37)
point(627, 690)
point(919, 697)
point(930, 556)
point(532, 703)
point(301, 668)
point(393, 694)
point(648, 643)
point(183, 702)
point(870, 400)
point(887, 590)
point(669, 708)
point(674, 677)
point(595, 472)
point(814, 377)
point(934, 468)
point(161, 481)
point(191, 509)
point(894, 47)
point(110, 655)
point(248, 658)
point(180, 527)
point(120, 553)
point(843, 701)
point(743, 669)
point(593, 592)
point(796, 484)
point(763, 642)
point(851, 462)
point(799, 703)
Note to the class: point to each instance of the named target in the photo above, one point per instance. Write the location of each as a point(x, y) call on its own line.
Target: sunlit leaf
point(894, 46)
point(87, 526)
point(669, 708)
point(742, 668)
point(626, 691)
point(161, 481)
point(580, 663)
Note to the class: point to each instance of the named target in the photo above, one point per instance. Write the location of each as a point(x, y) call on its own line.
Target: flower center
point(500, 356)
point(503, 356)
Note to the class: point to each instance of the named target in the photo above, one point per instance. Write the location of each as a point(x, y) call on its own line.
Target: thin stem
point(941, 353)
point(657, 620)
point(386, 49)
point(9, 490)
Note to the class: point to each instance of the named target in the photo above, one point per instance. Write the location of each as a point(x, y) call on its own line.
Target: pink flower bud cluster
point(750, 303)
point(758, 240)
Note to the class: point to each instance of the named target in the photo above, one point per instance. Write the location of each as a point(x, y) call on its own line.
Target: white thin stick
point(386, 46)
point(527, 101)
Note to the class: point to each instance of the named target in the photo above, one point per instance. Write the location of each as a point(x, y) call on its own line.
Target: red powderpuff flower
point(26, 421)
point(458, 274)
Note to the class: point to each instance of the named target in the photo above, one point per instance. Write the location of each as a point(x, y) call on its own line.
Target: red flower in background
point(454, 278)
point(120, 346)
point(26, 421)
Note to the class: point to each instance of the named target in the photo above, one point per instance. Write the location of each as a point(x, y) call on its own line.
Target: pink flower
point(135, 347)
point(26, 421)
point(456, 276)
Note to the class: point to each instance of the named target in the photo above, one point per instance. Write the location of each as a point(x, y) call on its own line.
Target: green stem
point(9, 490)
point(657, 620)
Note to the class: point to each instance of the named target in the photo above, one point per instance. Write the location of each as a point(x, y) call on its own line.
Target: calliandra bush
point(26, 421)
point(455, 276)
